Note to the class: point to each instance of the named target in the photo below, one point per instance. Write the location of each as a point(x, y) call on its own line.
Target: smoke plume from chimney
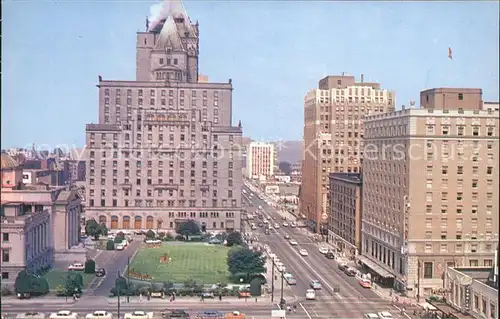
point(157, 13)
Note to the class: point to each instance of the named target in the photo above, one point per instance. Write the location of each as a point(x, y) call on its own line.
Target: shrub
point(61, 291)
point(90, 266)
point(150, 234)
point(6, 291)
point(179, 238)
point(110, 245)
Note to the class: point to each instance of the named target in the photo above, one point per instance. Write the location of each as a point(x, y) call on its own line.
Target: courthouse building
point(164, 149)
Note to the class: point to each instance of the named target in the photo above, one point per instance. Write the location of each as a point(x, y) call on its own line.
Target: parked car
point(351, 272)
point(77, 267)
point(343, 266)
point(286, 236)
point(385, 315)
point(365, 283)
point(293, 242)
point(285, 224)
point(330, 255)
point(323, 250)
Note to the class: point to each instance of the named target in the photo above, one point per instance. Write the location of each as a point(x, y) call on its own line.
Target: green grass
point(201, 262)
point(56, 277)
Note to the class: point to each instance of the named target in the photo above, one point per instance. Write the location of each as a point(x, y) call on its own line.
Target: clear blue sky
point(275, 52)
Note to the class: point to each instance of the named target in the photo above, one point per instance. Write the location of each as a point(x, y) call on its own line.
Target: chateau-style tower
point(168, 50)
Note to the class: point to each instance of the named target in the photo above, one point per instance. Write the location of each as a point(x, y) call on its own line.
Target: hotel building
point(261, 160)
point(333, 137)
point(430, 189)
point(164, 149)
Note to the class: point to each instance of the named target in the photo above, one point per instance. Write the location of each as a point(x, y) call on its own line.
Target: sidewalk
point(11, 300)
point(191, 300)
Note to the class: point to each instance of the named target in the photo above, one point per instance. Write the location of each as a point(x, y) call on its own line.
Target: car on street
point(330, 255)
point(286, 236)
point(310, 294)
point(120, 247)
point(99, 314)
point(174, 314)
point(293, 242)
point(285, 224)
point(101, 272)
point(276, 226)
point(290, 279)
point(365, 283)
point(315, 284)
point(77, 267)
point(343, 266)
point(370, 316)
point(303, 252)
point(385, 315)
point(351, 272)
point(293, 224)
point(260, 224)
point(323, 250)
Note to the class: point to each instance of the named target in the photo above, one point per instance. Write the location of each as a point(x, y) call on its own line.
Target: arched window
point(126, 222)
point(138, 222)
point(149, 222)
point(102, 219)
point(114, 222)
point(159, 223)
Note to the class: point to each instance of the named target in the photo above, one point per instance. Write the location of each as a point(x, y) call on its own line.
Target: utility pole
point(281, 286)
point(117, 287)
point(128, 278)
point(418, 281)
point(272, 282)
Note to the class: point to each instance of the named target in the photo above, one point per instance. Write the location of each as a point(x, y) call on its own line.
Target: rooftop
point(348, 177)
point(8, 162)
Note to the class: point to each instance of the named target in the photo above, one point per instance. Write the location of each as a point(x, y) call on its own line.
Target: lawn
point(56, 277)
point(201, 262)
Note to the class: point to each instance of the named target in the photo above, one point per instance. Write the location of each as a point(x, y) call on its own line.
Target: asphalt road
point(115, 263)
point(352, 300)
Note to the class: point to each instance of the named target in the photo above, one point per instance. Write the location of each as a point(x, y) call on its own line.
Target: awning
point(373, 266)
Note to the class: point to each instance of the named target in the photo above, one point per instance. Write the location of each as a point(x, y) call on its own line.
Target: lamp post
point(283, 270)
point(117, 287)
point(404, 246)
point(128, 278)
point(272, 281)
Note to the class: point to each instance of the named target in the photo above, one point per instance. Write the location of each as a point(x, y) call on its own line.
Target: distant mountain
point(289, 151)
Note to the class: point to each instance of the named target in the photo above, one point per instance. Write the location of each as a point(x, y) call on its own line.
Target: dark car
point(343, 267)
point(174, 313)
point(101, 272)
point(330, 255)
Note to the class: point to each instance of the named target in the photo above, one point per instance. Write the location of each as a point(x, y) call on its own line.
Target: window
point(161, 61)
point(428, 271)
point(5, 275)
point(460, 170)
point(5, 255)
point(489, 170)
point(460, 96)
point(5, 237)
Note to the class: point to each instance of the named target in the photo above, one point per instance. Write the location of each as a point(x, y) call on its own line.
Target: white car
point(76, 266)
point(385, 315)
point(370, 316)
point(293, 242)
point(310, 294)
point(323, 250)
point(99, 315)
point(293, 224)
point(276, 226)
point(285, 224)
point(303, 252)
point(120, 247)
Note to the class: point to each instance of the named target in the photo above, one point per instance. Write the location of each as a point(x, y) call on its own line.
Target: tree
point(234, 239)
point(189, 228)
point(244, 262)
point(110, 245)
point(256, 287)
point(27, 283)
point(90, 266)
point(73, 283)
point(92, 228)
point(119, 238)
point(150, 234)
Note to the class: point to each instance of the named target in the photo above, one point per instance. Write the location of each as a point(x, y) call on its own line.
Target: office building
point(261, 160)
point(344, 219)
point(333, 137)
point(430, 189)
point(164, 149)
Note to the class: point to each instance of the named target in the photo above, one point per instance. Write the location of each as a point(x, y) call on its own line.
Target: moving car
point(323, 250)
point(293, 224)
point(101, 272)
point(276, 226)
point(310, 294)
point(77, 267)
point(365, 283)
point(303, 252)
point(330, 255)
point(285, 224)
point(120, 247)
point(343, 266)
point(315, 284)
point(98, 314)
point(351, 272)
point(370, 316)
point(293, 242)
point(385, 315)
point(287, 236)
point(290, 279)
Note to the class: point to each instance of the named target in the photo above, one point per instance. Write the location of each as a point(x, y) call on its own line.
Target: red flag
point(450, 54)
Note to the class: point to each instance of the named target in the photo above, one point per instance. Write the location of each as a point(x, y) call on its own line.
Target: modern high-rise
point(430, 189)
point(333, 137)
point(164, 149)
point(261, 160)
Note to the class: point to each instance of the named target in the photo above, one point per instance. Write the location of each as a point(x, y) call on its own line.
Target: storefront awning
point(373, 266)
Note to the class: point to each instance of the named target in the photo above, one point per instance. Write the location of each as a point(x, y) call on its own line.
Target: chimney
point(362, 78)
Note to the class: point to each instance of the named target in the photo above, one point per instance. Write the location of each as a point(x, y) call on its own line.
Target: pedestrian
point(294, 307)
point(202, 298)
point(173, 296)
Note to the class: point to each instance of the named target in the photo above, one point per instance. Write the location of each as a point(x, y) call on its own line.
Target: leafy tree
point(234, 239)
point(92, 228)
point(73, 282)
point(90, 266)
point(23, 282)
point(256, 287)
point(30, 284)
point(168, 286)
point(241, 260)
point(110, 245)
point(150, 234)
point(189, 228)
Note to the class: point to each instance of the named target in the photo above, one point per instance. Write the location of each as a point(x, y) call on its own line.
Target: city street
point(351, 300)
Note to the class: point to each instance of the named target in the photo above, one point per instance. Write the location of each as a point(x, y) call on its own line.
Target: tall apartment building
point(430, 189)
point(261, 160)
point(164, 149)
point(333, 137)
